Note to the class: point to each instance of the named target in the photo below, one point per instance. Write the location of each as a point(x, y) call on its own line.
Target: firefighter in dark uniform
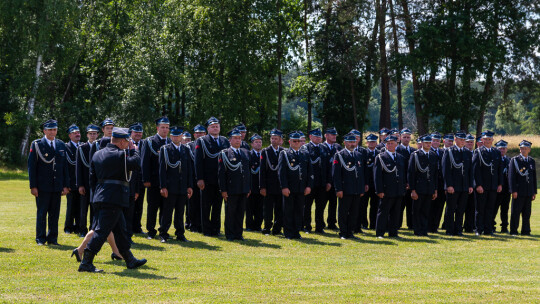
point(522, 185)
point(110, 175)
point(137, 187)
point(234, 179)
point(49, 180)
point(458, 183)
point(422, 178)
point(150, 173)
point(437, 206)
point(195, 200)
point(349, 174)
point(254, 206)
point(243, 130)
point(488, 175)
point(468, 225)
point(503, 197)
point(176, 184)
point(389, 178)
point(382, 135)
point(370, 198)
point(320, 161)
point(296, 180)
point(107, 126)
point(82, 169)
point(73, 198)
point(270, 188)
point(406, 151)
point(331, 147)
point(135, 183)
point(361, 217)
point(207, 150)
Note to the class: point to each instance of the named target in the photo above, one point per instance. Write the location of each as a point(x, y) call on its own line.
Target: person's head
point(176, 135)
point(525, 147)
point(276, 138)
point(357, 135)
point(426, 142)
point(136, 131)
point(371, 140)
point(186, 138)
point(120, 137)
point(235, 138)
point(349, 141)
point(435, 140)
point(302, 138)
point(469, 142)
point(162, 126)
point(107, 127)
point(419, 144)
point(315, 136)
point(50, 128)
point(383, 133)
point(479, 142)
point(199, 131)
point(487, 138)
point(92, 132)
point(405, 136)
point(391, 143)
point(74, 133)
point(448, 140)
point(330, 135)
point(502, 146)
point(243, 130)
point(213, 126)
point(295, 140)
point(460, 138)
point(256, 142)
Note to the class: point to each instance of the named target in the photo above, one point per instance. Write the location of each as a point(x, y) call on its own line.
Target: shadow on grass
point(12, 175)
point(364, 239)
point(134, 273)
point(197, 245)
point(7, 250)
point(312, 241)
point(257, 243)
point(143, 246)
point(61, 247)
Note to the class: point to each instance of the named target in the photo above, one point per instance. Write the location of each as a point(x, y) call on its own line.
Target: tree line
point(445, 63)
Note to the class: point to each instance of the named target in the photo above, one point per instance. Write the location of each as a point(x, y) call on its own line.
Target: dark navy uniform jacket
point(82, 167)
point(98, 145)
point(522, 176)
point(440, 179)
point(245, 145)
point(71, 157)
point(109, 174)
point(391, 184)
point(505, 162)
point(206, 157)
point(296, 180)
point(232, 179)
point(370, 162)
point(136, 184)
point(150, 158)
point(320, 160)
point(349, 172)
point(269, 170)
point(489, 177)
point(401, 149)
point(46, 174)
point(191, 149)
point(255, 169)
point(459, 178)
point(331, 151)
point(178, 179)
point(424, 183)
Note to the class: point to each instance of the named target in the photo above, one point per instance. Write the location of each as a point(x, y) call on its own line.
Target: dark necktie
point(51, 145)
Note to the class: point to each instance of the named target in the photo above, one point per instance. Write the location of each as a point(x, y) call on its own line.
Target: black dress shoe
point(459, 234)
point(40, 243)
point(240, 238)
point(478, 234)
point(67, 231)
point(230, 239)
point(504, 230)
point(163, 239)
point(181, 238)
point(75, 253)
point(82, 235)
point(131, 261)
point(277, 233)
point(114, 256)
point(87, 263)
point(319, 231)
point(53, 243)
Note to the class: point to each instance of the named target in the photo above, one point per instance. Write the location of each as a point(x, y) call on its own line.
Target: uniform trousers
point(235, 206)
point(420, 214)
point(48, 208)
point(521, 206)
point(273, 213)
point(485, 203)
point(254, 211)
point(293, 209)
point(388, 216)
point(348, 214)
point(456, 203)
point(110, 218)
point(318, 194)
point(211, 201)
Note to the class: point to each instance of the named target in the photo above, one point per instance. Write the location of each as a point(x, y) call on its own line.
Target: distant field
point(268, 269)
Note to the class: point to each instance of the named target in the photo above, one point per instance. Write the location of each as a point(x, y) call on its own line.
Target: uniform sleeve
point(222, 174)
point(262, 175)
point(447, 170)
point(65, 170)
point(78, 168)
point(310, 172)
point(145, 161)
point(92, 175)
point(377, 175)
point(500, 170)
point(534, 177)
point(162, 169)
point(199, 159)
point(512, 183)
point(32, 165)
point(282, 171)
point(411, 173)
point(476, 169)
point(337, 174)
point(189, 167)
point(133, 160)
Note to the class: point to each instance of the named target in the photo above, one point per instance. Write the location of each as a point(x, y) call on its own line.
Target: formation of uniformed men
point(273, 187)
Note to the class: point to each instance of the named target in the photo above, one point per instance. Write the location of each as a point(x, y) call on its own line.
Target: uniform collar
point(177, 147)
point(164, 138)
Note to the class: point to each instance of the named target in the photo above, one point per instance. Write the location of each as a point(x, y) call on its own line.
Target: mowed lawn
point(268, 269)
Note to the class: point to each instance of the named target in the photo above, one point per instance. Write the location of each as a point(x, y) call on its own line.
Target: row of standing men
point(275, 187)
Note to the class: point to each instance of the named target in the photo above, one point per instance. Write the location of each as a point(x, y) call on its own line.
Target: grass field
point(267, 269)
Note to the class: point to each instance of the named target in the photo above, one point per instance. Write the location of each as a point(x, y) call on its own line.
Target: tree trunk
point(31, 106)
point(486, 95)
point(421, 117)
point(385, 79)
point(370, 63)
point(327, 18)
point(308, 63)
point(398, 71)
point(353, 97)
point(278, 54)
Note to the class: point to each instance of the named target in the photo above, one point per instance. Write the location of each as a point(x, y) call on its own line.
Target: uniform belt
point(113, 181)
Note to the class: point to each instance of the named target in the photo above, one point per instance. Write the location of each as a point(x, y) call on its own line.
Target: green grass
point(318, 269)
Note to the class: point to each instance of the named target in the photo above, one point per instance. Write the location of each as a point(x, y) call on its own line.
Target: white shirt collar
point(177, 147)
point(275, 150)
point(160, 136)
point(74, 143)
point(49, 141)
